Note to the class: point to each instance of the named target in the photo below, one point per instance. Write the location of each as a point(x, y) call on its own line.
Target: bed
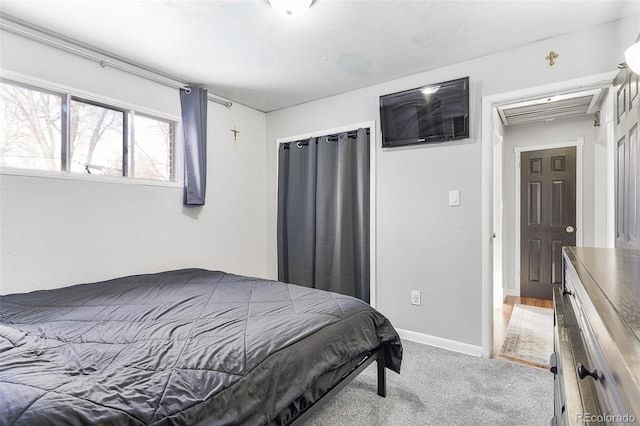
point(187, 347)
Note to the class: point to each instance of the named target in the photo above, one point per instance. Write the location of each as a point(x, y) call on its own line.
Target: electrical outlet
point(415, 297)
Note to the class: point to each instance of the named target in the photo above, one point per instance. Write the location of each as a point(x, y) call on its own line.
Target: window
point(49, 131)
point(97, 139)
point(30, 126)
point(151, 155)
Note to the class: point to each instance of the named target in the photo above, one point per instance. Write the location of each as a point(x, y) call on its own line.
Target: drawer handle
point(565, 292)
point(584, 372)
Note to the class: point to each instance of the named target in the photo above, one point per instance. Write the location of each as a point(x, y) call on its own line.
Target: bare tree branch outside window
point(31, 136)
point(96, 139)
point(30, 123)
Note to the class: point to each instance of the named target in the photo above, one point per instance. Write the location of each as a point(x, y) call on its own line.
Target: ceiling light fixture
point(632, 56)
point(291, 9)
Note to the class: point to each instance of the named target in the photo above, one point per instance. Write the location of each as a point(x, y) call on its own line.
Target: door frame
point(373, 138)
point(517, 151)
point(489, 103)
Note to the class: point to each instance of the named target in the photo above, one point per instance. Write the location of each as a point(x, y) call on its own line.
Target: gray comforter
point(180, 347)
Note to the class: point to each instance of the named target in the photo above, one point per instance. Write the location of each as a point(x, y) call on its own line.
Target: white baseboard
point(439, 342)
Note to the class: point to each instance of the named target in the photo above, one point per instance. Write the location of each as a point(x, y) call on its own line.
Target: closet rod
point(105, 59)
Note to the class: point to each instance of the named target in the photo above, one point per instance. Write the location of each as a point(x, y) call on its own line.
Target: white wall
point(57, 232)
point(526, 135)
point(422, 243)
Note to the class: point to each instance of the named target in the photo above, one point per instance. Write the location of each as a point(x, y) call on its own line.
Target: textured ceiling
point(242, 50)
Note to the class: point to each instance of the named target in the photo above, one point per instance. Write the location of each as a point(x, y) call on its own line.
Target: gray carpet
point(440, 387)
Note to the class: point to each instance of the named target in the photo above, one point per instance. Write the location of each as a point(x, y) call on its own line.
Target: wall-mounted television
point(428, 114)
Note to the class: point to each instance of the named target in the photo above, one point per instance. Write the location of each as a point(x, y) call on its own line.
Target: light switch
point(454, 198)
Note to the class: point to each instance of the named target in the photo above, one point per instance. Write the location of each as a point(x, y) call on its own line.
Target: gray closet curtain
point(194, 128)
point(323, 213)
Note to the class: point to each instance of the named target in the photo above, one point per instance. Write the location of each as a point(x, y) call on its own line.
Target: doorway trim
point(371, 125)
point(488, 104)
point(579, 144)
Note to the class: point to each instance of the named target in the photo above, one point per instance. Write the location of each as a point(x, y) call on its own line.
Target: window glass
point(34, 135)
point(151, 153)
point(30, 123)
point(96, 139)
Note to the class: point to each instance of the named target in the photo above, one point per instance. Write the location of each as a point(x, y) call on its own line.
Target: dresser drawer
point(573, 397)
point(596, 345)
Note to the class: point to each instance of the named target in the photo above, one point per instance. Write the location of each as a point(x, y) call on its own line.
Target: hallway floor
point(501, 317)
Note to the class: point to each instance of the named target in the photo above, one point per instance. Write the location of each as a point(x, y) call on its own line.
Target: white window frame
point(48, 86)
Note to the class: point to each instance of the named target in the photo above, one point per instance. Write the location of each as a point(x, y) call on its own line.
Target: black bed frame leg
point(382, 378)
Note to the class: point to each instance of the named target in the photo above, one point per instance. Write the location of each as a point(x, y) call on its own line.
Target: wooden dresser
point(596, 359)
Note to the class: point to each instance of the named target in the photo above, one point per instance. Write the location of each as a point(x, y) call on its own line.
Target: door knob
point(570, 229)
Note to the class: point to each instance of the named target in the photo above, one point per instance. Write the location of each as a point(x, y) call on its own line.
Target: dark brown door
point(547, 218)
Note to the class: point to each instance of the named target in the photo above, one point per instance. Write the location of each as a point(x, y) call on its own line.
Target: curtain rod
point(332, 138)
point(33, 32)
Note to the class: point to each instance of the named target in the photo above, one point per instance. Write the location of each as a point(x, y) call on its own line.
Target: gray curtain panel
point(323, 213)
point(194, 127)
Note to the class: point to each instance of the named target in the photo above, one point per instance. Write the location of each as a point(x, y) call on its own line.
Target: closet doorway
point(326, 210)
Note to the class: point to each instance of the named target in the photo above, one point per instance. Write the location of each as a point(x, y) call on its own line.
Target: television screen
point(428, 114)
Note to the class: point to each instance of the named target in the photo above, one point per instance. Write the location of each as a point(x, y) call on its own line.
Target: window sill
point(87, 178)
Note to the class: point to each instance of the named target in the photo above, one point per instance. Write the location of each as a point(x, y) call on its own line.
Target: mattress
point(179, 347)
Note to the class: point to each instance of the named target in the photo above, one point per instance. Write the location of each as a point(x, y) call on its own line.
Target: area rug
point(529, 335)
